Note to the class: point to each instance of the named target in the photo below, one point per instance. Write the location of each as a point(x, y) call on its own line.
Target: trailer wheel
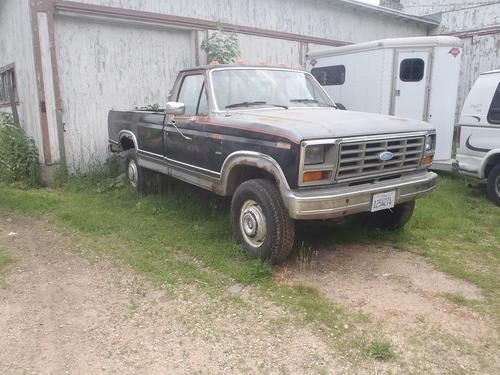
point(393, 218)
point(260, 220)
point(493, 185)
point(136, 175)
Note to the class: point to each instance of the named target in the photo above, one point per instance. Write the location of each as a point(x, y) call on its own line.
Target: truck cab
point(478, 133)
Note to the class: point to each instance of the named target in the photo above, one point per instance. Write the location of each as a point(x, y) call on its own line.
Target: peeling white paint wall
point(425, 7)
point(105, 66)
point(475, 18)
point(320, 18)
point(16, 47)
point(481, 46)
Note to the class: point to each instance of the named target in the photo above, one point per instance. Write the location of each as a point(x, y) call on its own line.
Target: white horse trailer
point(407, 77)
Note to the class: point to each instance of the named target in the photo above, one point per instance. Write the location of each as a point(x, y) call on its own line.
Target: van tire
point(493, 185)
point(260, 220)
point(391, 219)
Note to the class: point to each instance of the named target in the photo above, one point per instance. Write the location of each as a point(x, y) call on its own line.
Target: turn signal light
point(427, 160)
point(315, 176)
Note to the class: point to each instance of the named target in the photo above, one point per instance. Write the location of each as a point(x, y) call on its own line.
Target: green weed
point(380, 350)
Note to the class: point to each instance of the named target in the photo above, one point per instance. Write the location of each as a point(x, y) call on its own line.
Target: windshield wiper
point(248, 104)
point(305, 100)
point(308, 100)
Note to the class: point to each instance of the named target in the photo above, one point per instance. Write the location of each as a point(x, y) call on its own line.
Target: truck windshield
point(245, 88)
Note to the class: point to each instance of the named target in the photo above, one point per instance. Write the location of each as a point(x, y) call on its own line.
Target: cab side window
point(192, 94)
point(494, 111)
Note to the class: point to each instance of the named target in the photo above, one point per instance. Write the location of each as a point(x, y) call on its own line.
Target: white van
point(478, 133)
point(407, 77)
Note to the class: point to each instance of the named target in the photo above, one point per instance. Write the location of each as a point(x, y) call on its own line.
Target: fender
point(128, 134)
point(487, 158)
point(255, 159)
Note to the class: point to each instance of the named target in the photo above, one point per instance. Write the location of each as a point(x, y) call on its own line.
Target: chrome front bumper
point(333, 202)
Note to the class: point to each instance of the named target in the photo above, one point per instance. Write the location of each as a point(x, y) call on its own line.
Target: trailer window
point(329, 75)
point(494, 111)
point(411, 70)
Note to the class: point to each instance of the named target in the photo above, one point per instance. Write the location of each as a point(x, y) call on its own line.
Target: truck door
point(411, 83)
point(187, 144)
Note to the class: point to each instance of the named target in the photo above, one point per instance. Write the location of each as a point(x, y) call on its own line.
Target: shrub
point(18, 155)
point(221, 46)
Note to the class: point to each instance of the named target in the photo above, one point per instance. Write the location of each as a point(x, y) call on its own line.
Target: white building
point(74, 60)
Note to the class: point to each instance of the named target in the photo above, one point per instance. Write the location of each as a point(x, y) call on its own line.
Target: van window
point(330, 75)
point(494, 112)
point(411, 70)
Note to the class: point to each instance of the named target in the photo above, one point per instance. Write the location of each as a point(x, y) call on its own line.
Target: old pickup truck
point(273, 140)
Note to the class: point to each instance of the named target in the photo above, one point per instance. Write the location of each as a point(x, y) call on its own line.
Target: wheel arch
point(127, 140)
point(241, 166)
point(491, 159)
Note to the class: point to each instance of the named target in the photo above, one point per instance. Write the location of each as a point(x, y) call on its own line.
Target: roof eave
point(388, 12)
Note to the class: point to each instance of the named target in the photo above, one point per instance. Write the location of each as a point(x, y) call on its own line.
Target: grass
point(5, 260)
point(185, 237)
point(380, 350)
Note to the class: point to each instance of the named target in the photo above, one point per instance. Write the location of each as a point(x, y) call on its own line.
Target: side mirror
point(175, 108)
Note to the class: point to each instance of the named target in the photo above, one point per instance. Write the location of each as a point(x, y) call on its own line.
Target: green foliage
point(152, 107)
point(18, 155)
point(221, 46)
point(5, 260)
point(380, 350)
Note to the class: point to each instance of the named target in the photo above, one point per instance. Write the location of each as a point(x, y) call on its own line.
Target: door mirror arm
point(172, 109)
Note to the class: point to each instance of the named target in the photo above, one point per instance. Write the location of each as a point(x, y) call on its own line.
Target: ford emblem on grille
point(385, 156)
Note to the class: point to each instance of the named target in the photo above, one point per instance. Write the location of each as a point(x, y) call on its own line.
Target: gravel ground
point(61, 312)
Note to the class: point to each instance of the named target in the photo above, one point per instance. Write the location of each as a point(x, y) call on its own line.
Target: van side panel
point(364, 88)
point(478, 138)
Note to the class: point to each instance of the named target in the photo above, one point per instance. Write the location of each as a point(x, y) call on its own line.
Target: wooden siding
point(104, 66)
point(16, 46)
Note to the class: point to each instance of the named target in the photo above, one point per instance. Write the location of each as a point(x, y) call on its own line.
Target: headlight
point(430, 142)
point(314, 155)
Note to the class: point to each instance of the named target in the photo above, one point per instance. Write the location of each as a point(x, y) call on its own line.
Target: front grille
point(362, 159)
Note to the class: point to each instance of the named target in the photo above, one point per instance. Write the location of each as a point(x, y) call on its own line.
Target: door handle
point(397, 92)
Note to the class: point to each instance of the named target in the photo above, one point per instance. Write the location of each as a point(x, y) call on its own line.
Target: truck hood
point(317, 123)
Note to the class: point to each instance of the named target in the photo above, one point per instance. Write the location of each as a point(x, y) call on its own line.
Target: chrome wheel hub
point(253, 223)
point(132, 173)
point(497, 186)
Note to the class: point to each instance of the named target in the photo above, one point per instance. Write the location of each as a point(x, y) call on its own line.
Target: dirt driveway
point(65, 311)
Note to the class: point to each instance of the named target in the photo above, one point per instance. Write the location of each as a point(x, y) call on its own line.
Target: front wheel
point(393, 218)
point(493, 185)
point(260, 220)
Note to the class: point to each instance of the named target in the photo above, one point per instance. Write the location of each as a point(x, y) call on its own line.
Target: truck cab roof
point(219, 66)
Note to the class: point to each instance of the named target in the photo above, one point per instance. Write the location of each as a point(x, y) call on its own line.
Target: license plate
point(383, 201)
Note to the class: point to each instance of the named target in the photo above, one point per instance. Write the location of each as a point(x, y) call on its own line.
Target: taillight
point(459, 130)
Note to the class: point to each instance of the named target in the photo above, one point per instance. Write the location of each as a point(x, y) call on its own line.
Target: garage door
point(105, 66)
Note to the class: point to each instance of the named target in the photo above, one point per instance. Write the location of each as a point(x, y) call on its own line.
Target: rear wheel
point(136, 175)
point(260, 220)
point(493, 185)
point(393, 218)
